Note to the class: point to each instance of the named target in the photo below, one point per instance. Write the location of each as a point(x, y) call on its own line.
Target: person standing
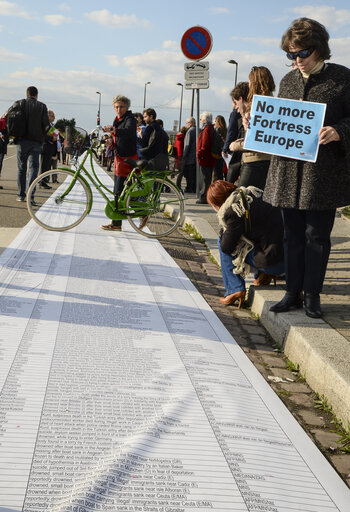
point(124, 135)
point(29, 146)
point(309, 192)
point(4, 139)
point(234, 122)
point(49, 149)
point(221, 128)
point(154, 142)
point(189, 156)
point(205, 159)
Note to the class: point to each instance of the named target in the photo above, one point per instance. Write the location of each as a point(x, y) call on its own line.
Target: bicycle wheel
point(161, 210)
point(50, 207)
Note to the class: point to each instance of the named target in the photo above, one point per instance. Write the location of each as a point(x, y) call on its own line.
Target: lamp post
point(99, 109)
point(182, 93)
point(236, 64)
point(144, 95)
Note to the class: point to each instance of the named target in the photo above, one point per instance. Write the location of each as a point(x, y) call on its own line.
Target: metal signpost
point(196, 44)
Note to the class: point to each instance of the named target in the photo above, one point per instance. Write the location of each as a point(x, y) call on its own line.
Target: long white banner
point(122, 391)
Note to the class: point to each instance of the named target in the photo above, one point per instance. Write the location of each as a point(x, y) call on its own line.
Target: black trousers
point(118, 187)
point(254, 174)
point(205, 177)
point(307, 245)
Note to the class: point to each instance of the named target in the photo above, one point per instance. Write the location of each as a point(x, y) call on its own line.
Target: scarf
point(244, 246)
point(316, 69)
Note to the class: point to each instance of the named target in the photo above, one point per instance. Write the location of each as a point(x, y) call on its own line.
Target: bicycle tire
point(164, 214)
point(52, 211)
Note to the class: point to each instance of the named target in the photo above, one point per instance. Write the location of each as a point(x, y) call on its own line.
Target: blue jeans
point(28, 151)
point(233, 282)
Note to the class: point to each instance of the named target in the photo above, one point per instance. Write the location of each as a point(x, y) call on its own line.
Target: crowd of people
point(276, 213)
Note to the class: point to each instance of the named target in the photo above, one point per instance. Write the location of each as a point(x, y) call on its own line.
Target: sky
point(69, 51)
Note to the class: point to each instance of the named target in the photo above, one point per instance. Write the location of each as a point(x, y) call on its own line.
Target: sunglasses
point(302, 54)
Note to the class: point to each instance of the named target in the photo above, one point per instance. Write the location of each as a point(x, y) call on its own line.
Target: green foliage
point(61, 124)
point(346, 212)
point(190, 230)
point(293, 367)
point(283, 392)
point(321, 403)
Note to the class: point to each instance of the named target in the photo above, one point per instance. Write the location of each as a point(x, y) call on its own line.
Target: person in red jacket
point(205, 159)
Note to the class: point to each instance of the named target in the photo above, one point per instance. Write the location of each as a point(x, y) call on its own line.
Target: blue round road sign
point(196, 43)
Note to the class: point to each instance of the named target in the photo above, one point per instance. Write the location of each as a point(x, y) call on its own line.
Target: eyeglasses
point(302, 54)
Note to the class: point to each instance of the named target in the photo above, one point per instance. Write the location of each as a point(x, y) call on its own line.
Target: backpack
point(216, 145)
point(16, 119)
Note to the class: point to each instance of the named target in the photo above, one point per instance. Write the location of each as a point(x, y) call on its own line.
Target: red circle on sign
point(196, 43)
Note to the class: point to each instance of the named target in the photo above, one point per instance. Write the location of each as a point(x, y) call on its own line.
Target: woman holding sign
point(309, 192)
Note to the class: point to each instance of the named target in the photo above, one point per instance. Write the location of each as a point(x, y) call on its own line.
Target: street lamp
point(182, 93)
point(99, 109)
point(236, 63)
point(144, 95)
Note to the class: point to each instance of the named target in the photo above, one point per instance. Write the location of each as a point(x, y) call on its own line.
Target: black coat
point(266, 227)
point(325, 184)
point(125, 135)
point(37, 120)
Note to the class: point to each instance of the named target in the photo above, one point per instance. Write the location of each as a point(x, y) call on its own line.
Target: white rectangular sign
point(195, 75)
point(198, 84)
point(201, 65)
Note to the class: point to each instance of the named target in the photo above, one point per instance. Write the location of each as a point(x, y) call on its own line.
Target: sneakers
point(33, 203)
point(111, 227)
point(44, 185)
point(21, 199)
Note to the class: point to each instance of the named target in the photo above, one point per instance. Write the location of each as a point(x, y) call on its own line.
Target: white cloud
point(56, 19)
point(123, 21)
point(38, 39)
point(11, 9)
point(171, 45)
point(325, 14)
point(64, 7)
point(7, 55)
point(112, 60)
point(219, 10)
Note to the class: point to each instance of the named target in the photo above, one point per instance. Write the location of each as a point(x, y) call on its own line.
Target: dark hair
point(240, 91)
point(150, 112)
point(32, 91)
point(307, 33)
point(160, 121)
point(221, 125)
point(260, 82)
point(219, 191)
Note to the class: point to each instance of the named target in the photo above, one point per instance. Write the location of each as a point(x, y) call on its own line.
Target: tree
point(61, 124)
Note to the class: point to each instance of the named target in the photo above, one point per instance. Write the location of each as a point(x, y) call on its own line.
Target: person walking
point(29, 146)
point(309, 192)
point(205, 159)
point(4, 139)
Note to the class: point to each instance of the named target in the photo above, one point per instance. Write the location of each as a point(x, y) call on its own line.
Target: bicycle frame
point(138, 184)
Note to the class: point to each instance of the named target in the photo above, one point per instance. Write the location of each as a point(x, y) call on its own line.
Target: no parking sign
point(196, 43)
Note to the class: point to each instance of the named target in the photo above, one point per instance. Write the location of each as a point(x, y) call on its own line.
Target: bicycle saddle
point(140, 164)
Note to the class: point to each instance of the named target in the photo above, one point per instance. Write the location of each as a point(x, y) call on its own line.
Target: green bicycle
point(64, 202)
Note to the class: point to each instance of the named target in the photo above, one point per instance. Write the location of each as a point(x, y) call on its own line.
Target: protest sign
point(283, 127)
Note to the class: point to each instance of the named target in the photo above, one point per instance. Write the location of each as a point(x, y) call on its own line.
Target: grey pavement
point(320, 347)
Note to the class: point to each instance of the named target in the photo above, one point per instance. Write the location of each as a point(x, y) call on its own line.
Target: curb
point(322, 353)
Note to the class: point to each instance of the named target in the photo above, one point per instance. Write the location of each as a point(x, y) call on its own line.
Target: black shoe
point(289, 301)
point(33, 203)
point(201, 202)
point(312, 305)
point(44, 185)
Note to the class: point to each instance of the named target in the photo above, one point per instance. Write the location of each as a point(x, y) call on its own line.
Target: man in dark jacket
point(4, 138)
point(29, 147)
point(153, 142)
point(189, 155)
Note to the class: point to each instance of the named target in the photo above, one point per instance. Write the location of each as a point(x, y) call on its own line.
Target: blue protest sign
point(285, 127)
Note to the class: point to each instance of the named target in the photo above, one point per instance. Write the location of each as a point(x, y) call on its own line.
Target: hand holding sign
point(285, 127)
point(328, 134)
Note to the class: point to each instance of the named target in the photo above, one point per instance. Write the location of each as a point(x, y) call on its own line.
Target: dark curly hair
point(307, 33)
